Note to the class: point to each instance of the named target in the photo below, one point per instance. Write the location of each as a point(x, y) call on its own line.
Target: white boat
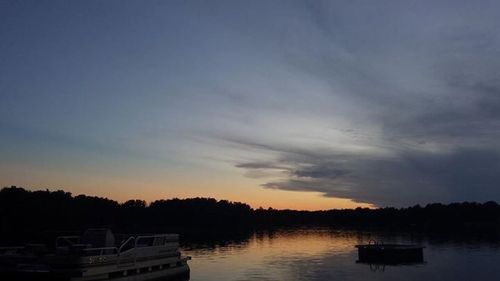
point(96, 255)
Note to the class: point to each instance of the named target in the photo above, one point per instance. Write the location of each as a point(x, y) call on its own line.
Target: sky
point(284, 104)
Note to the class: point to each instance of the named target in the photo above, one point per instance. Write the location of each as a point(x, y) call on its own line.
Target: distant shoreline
point(24, 213)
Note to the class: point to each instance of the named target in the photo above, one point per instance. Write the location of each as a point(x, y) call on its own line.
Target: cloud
point(410, 112)
point(410, 177)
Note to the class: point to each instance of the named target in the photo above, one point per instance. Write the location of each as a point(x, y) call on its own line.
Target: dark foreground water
point(325, 254)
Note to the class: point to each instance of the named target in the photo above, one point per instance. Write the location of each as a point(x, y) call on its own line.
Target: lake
point(326, 254)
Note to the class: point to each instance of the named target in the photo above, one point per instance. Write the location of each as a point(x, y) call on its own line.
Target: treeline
point(25, 213)
point(432, 217)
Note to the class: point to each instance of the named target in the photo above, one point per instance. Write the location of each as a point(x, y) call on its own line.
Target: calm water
point(323, 254)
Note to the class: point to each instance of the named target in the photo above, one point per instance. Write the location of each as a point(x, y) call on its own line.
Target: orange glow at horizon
point(259, 197)
point(225, 187)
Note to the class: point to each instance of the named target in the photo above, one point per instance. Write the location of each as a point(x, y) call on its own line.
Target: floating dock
point(390, 253)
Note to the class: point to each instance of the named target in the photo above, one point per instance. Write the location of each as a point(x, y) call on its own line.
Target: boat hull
point(155, 269)
point(180, 273)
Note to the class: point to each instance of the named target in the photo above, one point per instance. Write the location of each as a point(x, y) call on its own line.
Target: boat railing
point(131, 243)
point(66, 243)
point(100, 251)
point(128, 248)
point(156, 239)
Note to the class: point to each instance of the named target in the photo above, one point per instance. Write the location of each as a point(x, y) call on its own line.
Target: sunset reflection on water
point(324, 254)
point(270, 255)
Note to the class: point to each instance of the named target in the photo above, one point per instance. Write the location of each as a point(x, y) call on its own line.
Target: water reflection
point(325, 254)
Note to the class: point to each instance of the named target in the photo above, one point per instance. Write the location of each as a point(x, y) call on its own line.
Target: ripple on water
point(325, 254)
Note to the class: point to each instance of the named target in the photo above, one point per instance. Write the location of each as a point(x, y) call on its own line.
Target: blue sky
point(384, 103)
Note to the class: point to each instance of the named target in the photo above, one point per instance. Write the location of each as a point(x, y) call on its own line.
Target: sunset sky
point(284, 104)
